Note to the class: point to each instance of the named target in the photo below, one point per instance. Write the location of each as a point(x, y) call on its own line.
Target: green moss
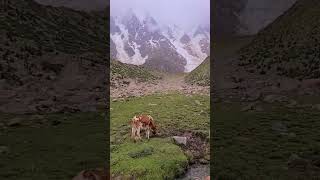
point(155, 159)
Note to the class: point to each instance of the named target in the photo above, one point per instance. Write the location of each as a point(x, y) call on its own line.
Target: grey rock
point(279, 127)
point(248, 107)
point(292, 103)
point(14, 122)
point(180, 140)
point(198, 102)
point(317, 107)
point(4, 150)
point(274, 98)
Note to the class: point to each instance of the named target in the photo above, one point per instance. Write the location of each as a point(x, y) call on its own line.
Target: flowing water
point(196, 172)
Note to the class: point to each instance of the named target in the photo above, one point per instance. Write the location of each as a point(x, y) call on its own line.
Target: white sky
point(185, 13)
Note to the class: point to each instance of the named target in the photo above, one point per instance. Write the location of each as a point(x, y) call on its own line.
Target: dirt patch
point(167, 84)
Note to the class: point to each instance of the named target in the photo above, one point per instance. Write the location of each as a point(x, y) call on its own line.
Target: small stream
point(196, 172)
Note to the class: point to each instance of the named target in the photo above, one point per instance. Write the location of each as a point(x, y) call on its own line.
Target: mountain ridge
point(167, 48)
point(289, 45)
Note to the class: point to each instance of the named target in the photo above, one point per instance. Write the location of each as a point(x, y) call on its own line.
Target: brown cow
point(142, 122)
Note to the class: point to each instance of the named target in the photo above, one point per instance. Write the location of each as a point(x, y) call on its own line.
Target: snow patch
point(197, 56)
point(120, 39)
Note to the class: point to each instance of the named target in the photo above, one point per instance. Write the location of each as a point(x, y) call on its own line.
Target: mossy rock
point(154, 159)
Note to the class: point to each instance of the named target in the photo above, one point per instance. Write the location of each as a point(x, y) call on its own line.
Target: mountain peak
point(201, 30)
point(150, 20)
point(130, 15)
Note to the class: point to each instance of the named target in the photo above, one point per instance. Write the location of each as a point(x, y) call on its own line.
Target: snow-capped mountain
point(142, 41)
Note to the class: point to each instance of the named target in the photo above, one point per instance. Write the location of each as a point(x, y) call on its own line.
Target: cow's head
point(155, 129)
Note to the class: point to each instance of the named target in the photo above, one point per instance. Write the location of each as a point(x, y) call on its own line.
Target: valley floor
point(179, 109)
point(160, 158)
point(168, 83)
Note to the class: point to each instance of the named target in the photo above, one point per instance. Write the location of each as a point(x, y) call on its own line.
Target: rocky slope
point(143, 41)
point(201, 74)
point(87, 5)
point(48, 55)
point(122, 74)
point(289, 46)
point(246, 17)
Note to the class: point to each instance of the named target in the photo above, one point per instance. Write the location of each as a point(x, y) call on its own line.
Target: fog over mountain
point(185, 13)
point(162, 35)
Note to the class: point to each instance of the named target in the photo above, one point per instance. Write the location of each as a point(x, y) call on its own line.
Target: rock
point(4, 150)
point(202, 112)
point(293, 157)
point(87, 108)
point(56, 122)
point(249, 107)
point(189, 155)
point(295, 161)
point(216, 100)
point(180, 140)
point(317, 107)
point(236, 79)
point(14, 122)
point(38, 117)
point(254, 97)
point(198, 102)
point(51, 77)
point(258, 109)
point(273, 98)
point(292, 135)
point(150, 104)
point(203, 161)
point(279, 127)
point(292, 103)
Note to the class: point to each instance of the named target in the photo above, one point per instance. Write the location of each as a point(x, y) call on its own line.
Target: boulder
point(180, 140)
point(14, 122)
point(4, 150)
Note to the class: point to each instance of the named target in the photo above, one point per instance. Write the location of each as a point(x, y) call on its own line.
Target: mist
point(187, 14)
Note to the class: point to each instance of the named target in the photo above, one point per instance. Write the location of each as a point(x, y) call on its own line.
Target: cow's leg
point(148, 132)
point(138, 133)
point(132, 132)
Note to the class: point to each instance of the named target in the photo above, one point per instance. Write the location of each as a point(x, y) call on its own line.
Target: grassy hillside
point(201, 74)
point(290, 45)
point(30, 31)
point(122, 70)
point(27, 25)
